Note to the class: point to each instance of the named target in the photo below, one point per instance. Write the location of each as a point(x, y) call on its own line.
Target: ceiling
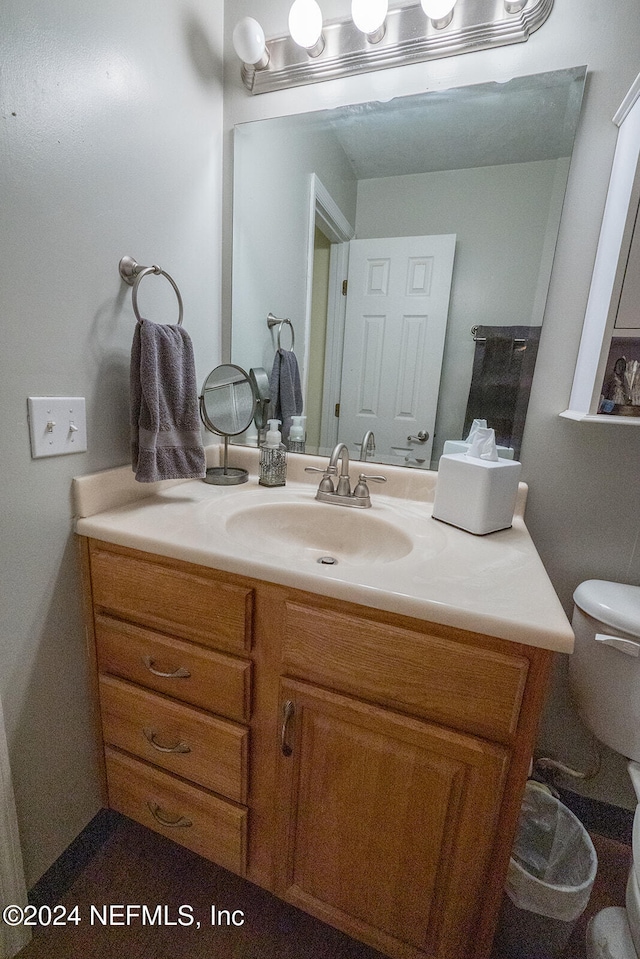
point(483, 125)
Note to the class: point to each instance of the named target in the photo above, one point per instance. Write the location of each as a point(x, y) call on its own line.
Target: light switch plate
point(57, 425)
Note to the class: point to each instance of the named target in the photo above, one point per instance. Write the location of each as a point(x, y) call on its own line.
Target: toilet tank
point(604, 670)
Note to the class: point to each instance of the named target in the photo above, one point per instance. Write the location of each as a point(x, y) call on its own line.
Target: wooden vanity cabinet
point(364, 766)
point(387, 823)
point(404, 750)
point(171, 647)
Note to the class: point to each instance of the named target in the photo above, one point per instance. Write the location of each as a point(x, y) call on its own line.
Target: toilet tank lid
point(616, 605)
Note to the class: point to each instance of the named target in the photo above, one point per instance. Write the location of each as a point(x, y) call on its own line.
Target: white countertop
point(494, 584)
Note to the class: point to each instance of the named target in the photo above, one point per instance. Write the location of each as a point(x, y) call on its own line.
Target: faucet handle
point(326, 483)
point(362, 490)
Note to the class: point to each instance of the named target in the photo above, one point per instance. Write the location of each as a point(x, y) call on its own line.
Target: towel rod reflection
point(132, 273)
point(483, 339)
point(279, 322)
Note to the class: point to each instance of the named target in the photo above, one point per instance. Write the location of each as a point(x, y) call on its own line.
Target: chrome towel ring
point(132, 273)
point(279, 322)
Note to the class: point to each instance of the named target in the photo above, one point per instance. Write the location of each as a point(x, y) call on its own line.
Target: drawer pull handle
point(180, 673)
point(287, 712)
point(178, 748)
point(182, 821)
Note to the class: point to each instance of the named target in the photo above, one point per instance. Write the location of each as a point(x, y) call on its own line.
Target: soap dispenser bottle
point(296, 434)
point(273, 457)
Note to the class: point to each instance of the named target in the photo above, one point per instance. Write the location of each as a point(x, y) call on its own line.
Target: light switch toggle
point(57, 425)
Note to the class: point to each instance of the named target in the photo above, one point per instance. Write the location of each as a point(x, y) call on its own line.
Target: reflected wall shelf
point(607, 285)
point(603, 418)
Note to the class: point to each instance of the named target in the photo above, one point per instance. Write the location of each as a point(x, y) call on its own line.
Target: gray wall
point(110, 145)
point(272, 252)
point(584, 496)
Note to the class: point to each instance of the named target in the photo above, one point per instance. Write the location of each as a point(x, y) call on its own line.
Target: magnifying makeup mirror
point(227, 407)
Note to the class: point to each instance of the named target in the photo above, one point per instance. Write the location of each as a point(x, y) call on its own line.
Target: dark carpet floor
point(208, 913)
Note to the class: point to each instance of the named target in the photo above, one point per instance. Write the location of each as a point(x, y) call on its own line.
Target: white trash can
point(551, 874)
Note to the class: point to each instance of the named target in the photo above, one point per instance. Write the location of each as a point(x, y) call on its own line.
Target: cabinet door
point(386, 823)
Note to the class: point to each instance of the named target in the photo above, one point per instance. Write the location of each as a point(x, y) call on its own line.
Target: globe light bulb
point(305, 26)
point(440, 12)
point(249, 42)
point(369, 16)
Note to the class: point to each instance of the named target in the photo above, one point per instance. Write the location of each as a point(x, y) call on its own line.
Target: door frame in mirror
point(325, 213)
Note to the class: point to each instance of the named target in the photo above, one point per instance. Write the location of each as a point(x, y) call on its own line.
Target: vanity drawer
point(171, 598)
point(199, 747)
point(201, 677)
point(445, 680)
point(192, 817)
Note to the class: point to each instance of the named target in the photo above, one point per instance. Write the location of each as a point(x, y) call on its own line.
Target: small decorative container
point(273, 466)
point(273, 458)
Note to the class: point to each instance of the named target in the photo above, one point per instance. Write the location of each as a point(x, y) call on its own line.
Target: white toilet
point(604, 677)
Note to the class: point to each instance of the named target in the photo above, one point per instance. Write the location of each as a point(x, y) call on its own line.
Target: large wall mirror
point(441, 210)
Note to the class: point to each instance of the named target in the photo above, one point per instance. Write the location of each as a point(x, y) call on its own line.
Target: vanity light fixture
point(369, 17)
point(375, 37)
point(305, 26)
point(440, 12)
point(250, 45)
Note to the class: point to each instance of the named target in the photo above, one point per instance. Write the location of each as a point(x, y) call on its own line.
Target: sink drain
point(327, 560)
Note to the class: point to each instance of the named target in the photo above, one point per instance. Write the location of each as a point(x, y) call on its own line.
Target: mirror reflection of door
point(395, 328)
point(392, 343)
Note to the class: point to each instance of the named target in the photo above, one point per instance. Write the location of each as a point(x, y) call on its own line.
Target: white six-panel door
point(396, 319)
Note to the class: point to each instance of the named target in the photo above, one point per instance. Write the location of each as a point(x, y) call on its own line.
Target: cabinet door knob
point(180, 747)
point(287, 713)
point(179, 673)
point(154, 809)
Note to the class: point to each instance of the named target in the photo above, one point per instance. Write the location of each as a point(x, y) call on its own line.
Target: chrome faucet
point(368, 443)
point(342, 496)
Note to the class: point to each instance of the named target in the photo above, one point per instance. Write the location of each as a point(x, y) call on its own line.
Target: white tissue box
point(461, 446)
point(476, 495)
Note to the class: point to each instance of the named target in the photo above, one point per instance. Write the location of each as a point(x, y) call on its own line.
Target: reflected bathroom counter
point(393, 556)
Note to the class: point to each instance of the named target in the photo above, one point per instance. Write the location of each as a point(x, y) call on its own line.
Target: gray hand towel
point(286, 392)
point(166, 441)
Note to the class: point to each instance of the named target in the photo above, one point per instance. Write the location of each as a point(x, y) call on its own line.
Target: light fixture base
point(377, 35)
point(440, 23)
point(410, 37)
point(317, 48)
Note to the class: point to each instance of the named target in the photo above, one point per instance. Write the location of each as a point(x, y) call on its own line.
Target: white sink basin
point(318, 532)
point(393, 557)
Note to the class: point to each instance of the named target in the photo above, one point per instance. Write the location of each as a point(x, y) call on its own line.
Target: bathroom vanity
point(345, 736)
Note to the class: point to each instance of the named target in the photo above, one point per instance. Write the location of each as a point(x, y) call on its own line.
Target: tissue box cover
point(461, 446)
point(476, 495)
